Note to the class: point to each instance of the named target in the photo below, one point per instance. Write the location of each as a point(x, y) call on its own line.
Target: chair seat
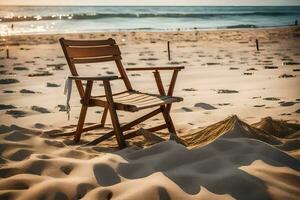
point(133, 101)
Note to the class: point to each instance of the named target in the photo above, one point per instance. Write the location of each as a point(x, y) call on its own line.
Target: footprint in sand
point(7, 172)
point(8, 91)
point(56, 66)
point(131, 63)
point(30, 62)
point(45, 73)
point(225, 91)
point(205, 106)
point(74, 154)
point(20, 154)
point(271, 99)
point(25, 91)
point(212, 63)
point(223, 104)
point(135, 74)
point(186, 109)
point(16, 113)
point(189, 89)
point(83, 189)
point(105, 175)
point(52, 85)
point(270, 67)
point(16, 136)
point(43, 157)
point(36, 167)
point(258, 106)
point(9, 81)
point(286, 76)
point(287, 103)
point(39, 109)
point(54, 143)
point(6, 106)
point(67, 169)
point(291, 63)
point(39, 125)
point(109, 72)
point(148, 59)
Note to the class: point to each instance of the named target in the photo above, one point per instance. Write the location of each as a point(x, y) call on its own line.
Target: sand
point(239, 119)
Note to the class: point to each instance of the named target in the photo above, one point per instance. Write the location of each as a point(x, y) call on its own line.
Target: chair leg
point(168, 119)
point(87, 95)
point(113, 115)
point(117, 127)
point(80, 123)
point(104, 115)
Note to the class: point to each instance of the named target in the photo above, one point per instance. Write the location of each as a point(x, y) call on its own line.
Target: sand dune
point(234, 165)
point(278, 128)
point(281, 134)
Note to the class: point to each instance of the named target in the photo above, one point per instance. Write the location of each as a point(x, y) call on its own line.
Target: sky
point(152, 2)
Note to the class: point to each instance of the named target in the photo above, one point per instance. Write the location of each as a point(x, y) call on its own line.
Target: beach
point(239, 118)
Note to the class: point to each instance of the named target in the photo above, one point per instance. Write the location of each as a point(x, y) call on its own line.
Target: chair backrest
point(92, 51)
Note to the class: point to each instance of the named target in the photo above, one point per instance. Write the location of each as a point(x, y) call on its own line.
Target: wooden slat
point(93, 78)
point(151, 102)
point(92, 52)
point(109, 41)
point(155, 68)
point(171, 100)
point(137, 99)
point(95, 60)
point(140, 100)
point(143, 99)
point(133, 101)
point(131, 98)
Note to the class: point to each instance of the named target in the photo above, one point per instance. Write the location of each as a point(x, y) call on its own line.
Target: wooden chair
point(92, 51)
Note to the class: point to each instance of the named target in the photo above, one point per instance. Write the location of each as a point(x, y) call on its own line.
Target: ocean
point(70, 19)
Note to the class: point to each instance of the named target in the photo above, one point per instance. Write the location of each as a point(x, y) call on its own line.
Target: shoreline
point(150, 30)
point(13, 40)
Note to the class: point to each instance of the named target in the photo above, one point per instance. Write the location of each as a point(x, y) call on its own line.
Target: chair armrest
point(155, 68)
point(94, 78)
